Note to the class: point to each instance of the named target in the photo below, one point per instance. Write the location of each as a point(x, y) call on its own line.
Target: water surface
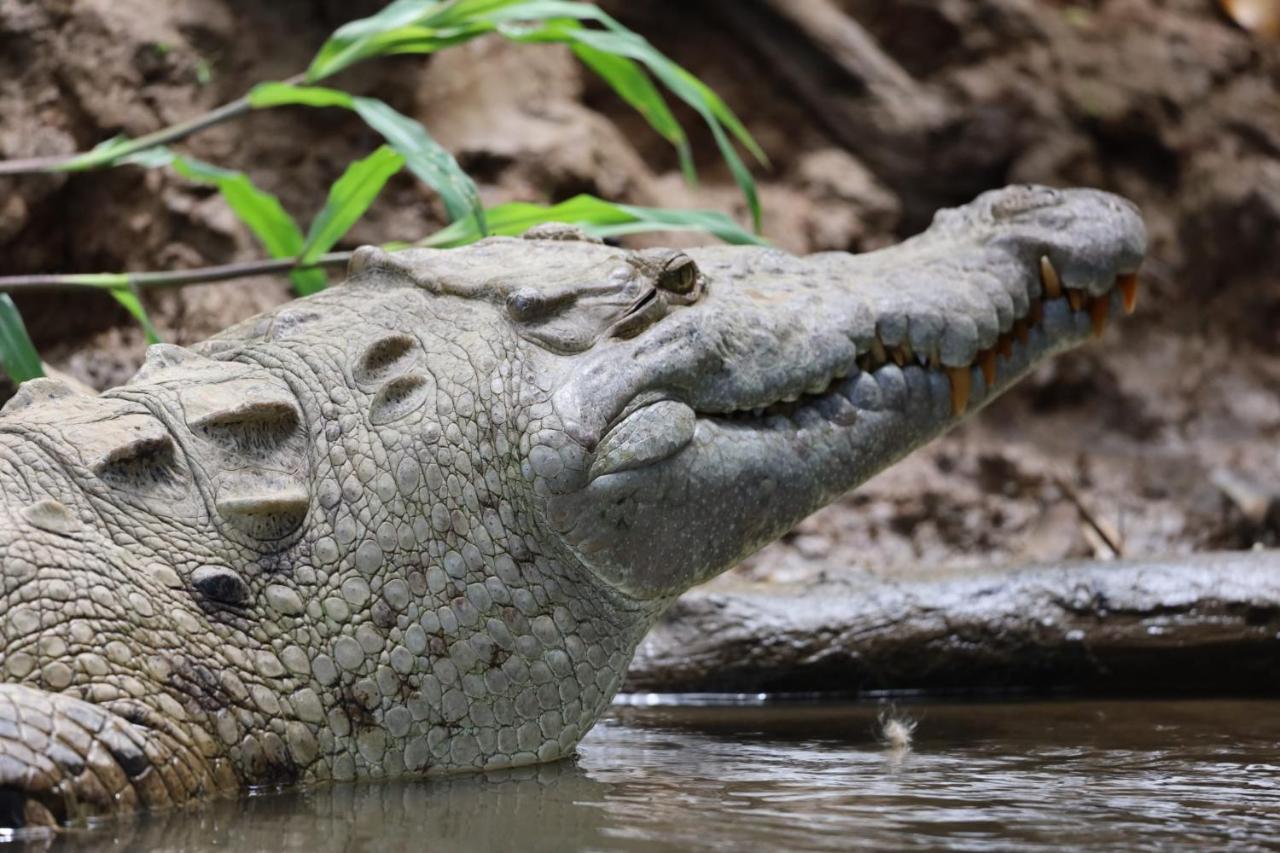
point(1025, 775)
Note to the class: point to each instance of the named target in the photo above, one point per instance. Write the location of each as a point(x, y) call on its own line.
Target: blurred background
point(1163, 437)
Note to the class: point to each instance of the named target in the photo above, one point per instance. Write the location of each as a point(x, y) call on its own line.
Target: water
point(1022, 775)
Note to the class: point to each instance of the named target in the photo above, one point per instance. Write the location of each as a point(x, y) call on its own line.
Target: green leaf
point(349, 197)
point(681, 83)
point(597, 217)
point(634, 86)
point(433, 165)
point(17, 354)
point(405, 26)
point(284, 94)
point(128, 297)
point(423, 156)
point(259, 210)
point(343, 47)
point(425, 26)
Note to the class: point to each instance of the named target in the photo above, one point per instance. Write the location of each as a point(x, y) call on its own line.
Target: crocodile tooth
point(878, 354)
point(960, 382)
point(1004, 344)
point(1021, 331)
point(1099, 309)
point(1076, 298)
point(1049, 276)
point(987, 361)
point(1128, 285)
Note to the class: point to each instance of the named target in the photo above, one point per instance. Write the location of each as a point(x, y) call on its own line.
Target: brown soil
point(1164, 437)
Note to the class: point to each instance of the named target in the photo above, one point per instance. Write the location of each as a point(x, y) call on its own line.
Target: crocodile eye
point(220, 584)
point(526, 304)
point(680, 274)
point(671, 269)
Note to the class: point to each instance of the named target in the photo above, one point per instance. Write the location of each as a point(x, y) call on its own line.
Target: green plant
point(626, 61)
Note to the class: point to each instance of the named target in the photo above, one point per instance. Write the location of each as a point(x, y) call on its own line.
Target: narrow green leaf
point(277, 94)
point(597, 217)
point(17, 354)
point(618, 41)
point(405, 26)
point(351, 42)
point(433, 165)
point(633, 85)
point(259, 210)
point(349, 197)
point(128, 297)
point(425, 26)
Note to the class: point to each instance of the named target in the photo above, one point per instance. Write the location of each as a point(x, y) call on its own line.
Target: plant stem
point(163, 136)
point(177, 278)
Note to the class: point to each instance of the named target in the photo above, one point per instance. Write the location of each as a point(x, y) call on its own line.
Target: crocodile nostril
point(1016, 200)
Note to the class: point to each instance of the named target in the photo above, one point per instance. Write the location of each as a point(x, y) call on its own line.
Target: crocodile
point(419, 522)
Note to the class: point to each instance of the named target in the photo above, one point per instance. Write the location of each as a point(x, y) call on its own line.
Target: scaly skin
point(419, 522)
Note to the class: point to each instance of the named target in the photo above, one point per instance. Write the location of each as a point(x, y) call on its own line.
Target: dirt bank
point(1162, 438)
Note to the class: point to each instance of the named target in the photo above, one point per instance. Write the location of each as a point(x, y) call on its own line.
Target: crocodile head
point(772, 384)
point(419, 522)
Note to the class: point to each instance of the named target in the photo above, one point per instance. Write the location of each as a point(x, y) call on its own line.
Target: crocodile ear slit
point(400, 397)
point(147, 455)
point(386, 357)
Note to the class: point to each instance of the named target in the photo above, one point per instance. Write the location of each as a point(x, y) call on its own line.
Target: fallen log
point(1190, 624)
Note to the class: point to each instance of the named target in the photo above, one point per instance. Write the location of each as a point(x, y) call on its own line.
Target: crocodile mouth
point(879, 379)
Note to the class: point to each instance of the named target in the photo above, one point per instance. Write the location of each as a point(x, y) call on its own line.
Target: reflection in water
point(810, 777)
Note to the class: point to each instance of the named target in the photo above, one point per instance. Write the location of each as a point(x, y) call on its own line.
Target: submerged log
point(1195, 623)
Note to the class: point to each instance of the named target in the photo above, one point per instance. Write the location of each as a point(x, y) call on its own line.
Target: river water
point(791, 776)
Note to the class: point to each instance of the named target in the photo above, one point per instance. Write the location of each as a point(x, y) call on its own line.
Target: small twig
point(176, 278)
point(1106, 532)
point(164, 136)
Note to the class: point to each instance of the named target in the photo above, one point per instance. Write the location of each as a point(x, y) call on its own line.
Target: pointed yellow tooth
point(1049, 277)
point(1076, 298)
point(1128, 285)
point(898, 355)
point(1099, 308)
point(1021, 331)
point(987, 361)
point(959, 377)
point(878, 355)
point(1005, 345)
